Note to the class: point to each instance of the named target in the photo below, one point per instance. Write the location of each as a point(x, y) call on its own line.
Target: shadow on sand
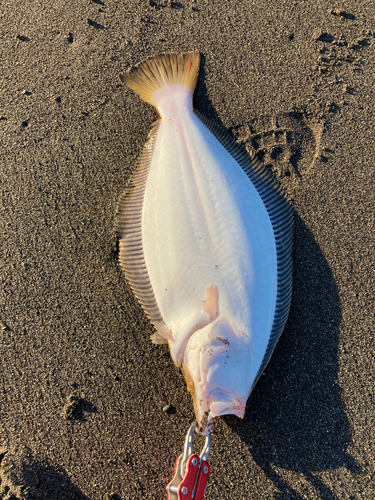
point(295, 418)
point(201, 100)
point(23, 477)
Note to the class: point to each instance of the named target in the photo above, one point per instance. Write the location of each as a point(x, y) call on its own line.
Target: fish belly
point(204, 223)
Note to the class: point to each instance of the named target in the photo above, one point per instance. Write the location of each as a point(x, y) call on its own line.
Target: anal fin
point(129, 229)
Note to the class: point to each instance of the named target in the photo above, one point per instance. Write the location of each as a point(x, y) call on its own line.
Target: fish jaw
point(216, 365)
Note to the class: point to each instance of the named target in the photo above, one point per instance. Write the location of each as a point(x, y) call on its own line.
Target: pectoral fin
point(190, 323)
point(211, 301)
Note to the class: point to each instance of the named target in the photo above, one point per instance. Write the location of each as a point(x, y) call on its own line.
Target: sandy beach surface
point(82, 388)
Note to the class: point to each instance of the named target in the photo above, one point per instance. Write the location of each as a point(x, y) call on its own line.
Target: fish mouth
point(218, 403)
point(222, 408)
point(204, 425)
point(205, 420)
point(223, 402)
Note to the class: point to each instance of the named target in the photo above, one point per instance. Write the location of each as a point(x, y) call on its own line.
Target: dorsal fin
point(129, 232)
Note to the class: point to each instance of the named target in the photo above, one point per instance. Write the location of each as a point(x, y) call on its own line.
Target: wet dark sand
point(82, 387)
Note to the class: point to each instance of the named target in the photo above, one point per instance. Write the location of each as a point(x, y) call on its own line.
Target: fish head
point(216, 367)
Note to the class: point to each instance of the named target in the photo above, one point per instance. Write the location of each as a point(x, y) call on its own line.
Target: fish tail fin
point(163, 70)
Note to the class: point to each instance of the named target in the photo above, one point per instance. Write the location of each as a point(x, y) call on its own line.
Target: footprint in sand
point(288, 144)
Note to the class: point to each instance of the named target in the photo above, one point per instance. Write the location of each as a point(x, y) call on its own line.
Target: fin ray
point(169, 68)
point(128, 230)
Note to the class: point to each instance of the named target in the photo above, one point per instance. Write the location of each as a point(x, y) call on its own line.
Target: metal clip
point(191, 472)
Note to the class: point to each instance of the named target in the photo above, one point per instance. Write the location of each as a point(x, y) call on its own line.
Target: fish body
point(208, 259)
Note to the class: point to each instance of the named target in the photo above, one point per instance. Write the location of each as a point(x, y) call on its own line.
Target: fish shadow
point(201, 100)
point(295, 418)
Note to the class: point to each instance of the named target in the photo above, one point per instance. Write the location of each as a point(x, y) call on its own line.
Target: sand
point(82, 388)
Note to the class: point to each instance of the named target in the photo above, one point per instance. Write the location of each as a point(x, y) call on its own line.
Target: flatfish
point(205, 239)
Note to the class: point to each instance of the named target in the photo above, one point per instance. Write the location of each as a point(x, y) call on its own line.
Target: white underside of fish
point(203, 224)
point(209, 257)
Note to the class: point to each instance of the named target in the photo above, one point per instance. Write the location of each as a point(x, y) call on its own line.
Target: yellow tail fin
point(159, 71)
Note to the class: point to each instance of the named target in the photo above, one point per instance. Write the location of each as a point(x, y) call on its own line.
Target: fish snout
point(216, 366)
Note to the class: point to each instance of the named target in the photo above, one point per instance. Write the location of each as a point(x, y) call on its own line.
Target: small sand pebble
point(71, 406)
